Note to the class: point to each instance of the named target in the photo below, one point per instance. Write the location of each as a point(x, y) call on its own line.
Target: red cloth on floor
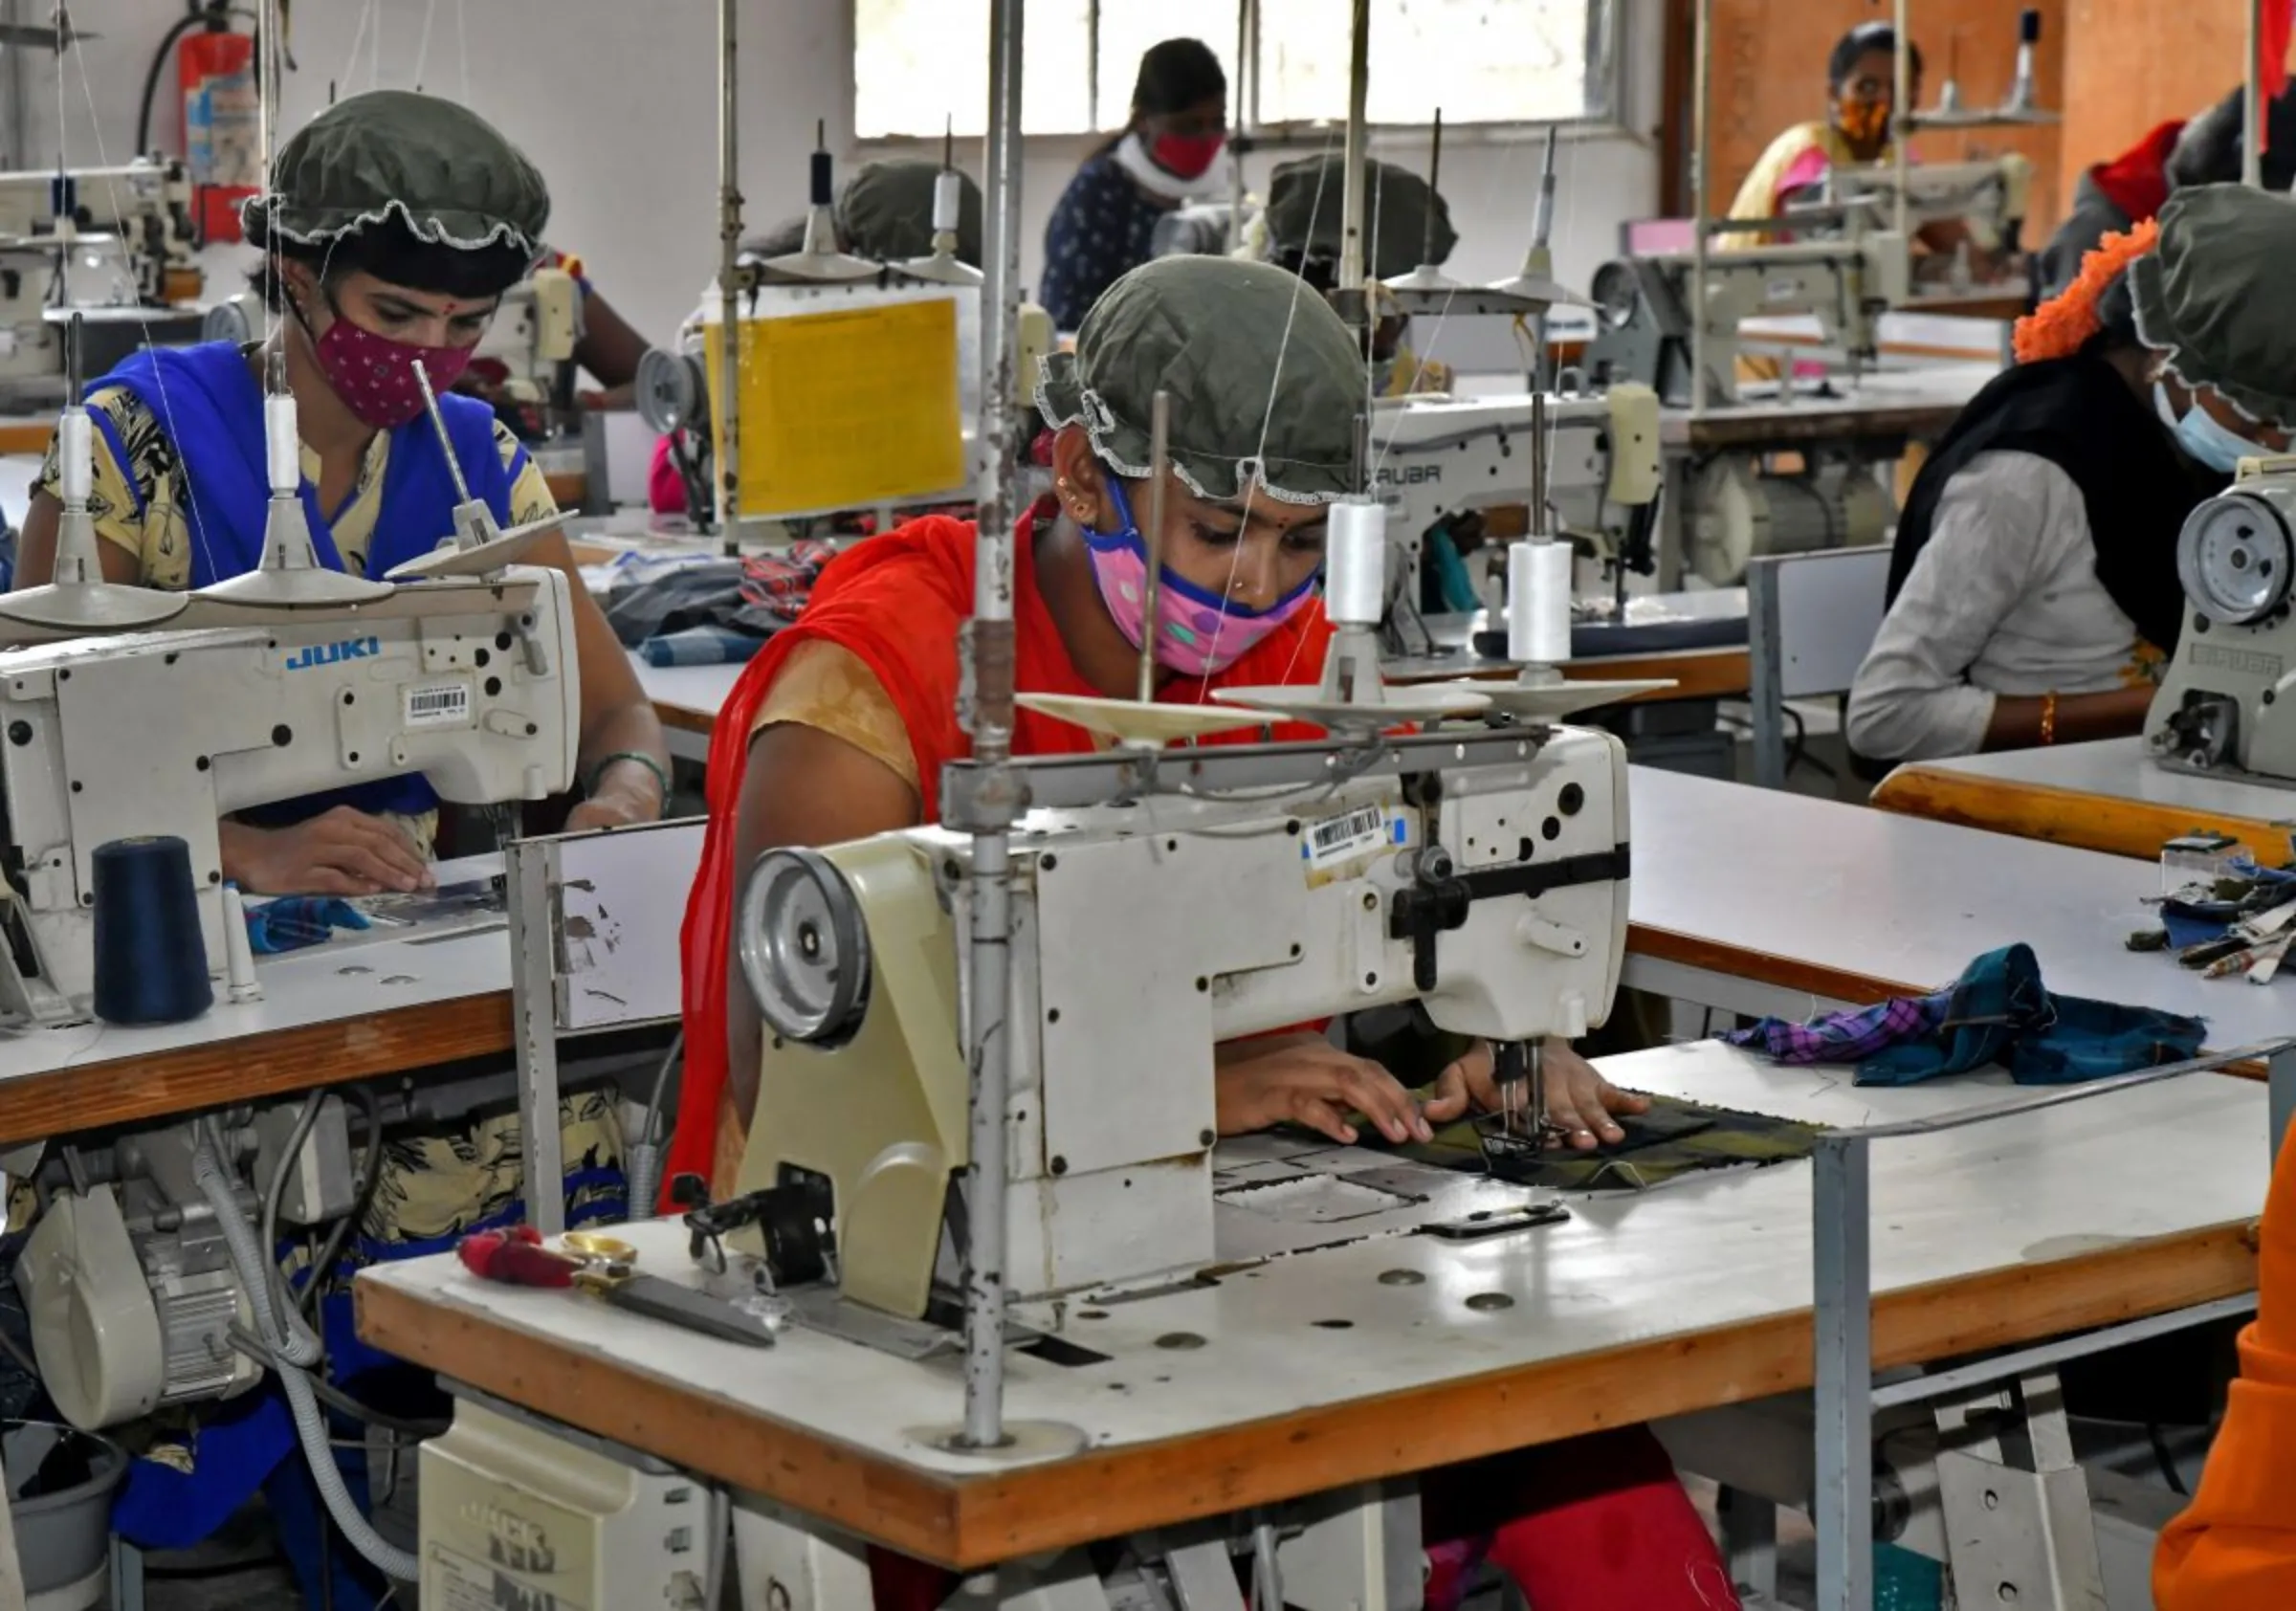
point(1598, 1523)
point(2137, 180)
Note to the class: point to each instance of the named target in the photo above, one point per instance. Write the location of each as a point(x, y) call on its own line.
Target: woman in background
point(1104, 225)
point(1860, 80)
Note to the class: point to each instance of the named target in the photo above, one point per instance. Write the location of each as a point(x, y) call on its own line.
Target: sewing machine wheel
point(671, 391)
point(2234, 558)
point(803, 947)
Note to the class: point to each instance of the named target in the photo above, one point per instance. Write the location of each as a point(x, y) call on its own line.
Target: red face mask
point(374, 375)
point(1187, 156)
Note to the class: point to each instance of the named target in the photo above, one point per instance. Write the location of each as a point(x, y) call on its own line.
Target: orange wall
point(2132, 64)
point(1769, 72)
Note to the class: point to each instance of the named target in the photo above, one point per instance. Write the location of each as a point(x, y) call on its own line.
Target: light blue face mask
point(2205, 440)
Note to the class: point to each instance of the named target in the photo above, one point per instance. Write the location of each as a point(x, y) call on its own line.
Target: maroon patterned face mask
point(374, 375)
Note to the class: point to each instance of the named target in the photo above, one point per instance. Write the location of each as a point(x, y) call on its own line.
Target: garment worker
point(395, 223)
point(2033, 590)
point(1104, 223)
point(1861, 79)
point(841, 726)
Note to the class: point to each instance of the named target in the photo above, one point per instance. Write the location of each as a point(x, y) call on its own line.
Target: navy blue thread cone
point(151, 960)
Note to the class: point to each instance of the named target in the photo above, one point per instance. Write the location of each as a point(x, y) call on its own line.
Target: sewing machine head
point(471, 683)
point(1989, 198)
point(2219, 708)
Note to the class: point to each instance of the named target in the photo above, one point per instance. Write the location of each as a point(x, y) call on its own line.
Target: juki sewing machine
point(2219, 705)
point(115, 243)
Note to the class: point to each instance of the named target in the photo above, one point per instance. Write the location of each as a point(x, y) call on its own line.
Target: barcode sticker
point(1343, 837)
point(439, 704)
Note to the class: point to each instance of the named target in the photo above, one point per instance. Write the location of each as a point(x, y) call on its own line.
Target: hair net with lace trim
point(1266, 381)
point(2211, 299)
point(445, 172)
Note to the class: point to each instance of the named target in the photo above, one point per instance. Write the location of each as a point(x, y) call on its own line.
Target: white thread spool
point(240, 953)
point(1355, 564)
point(1538, 603)
point(285, 454)
point(948, 195)
point(76, 456)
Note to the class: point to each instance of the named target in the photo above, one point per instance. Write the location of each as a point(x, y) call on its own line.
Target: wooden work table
point(2106, 796)
point(1329, 1368)
point(1917, 403)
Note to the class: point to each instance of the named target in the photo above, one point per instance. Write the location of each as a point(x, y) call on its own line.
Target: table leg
point(2281, 1072)
point(1841, 1230)
point(534, 1014)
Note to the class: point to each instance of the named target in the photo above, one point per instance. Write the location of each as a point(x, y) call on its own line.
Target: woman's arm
point(610, 349)
point(35, 547)
point(1996, 524)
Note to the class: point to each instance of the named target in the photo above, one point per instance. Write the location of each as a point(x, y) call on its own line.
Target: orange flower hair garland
point(2063, 324)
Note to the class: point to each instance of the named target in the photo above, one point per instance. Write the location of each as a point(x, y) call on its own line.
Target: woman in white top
point(2034, 593)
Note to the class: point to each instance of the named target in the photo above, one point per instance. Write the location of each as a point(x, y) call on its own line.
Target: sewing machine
point(1441, 461)
point(1989, 199)
point(114, 244)
point(531, 342)
point(2219, 708)
point(469, 682)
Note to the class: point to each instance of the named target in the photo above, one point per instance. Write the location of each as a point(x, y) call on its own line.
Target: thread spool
point(284, 447)
point(76, 456)
point(151, 959)
point(1355, 564)
point(1538, 603)
point(239, 951)
point(948, 195)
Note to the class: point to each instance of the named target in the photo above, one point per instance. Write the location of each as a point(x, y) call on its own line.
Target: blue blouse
point(1099, 231)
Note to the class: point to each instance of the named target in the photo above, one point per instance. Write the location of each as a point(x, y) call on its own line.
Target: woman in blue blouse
point(1102, 226)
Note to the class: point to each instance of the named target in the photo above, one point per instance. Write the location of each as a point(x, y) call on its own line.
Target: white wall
point(616, 100)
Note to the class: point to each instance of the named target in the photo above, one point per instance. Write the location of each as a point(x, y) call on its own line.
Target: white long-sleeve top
point(2003, 600)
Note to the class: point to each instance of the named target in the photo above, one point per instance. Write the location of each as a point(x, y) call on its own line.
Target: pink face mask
point(1197, 634)
point(374, 375)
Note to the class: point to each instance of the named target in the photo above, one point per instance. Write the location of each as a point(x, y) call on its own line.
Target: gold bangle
point(2049, 718)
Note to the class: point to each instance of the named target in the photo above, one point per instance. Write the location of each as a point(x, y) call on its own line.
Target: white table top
point(350, 977)
point(2120, 769)
point(1718, 1250)
point(699, 689)
point(1910, 901)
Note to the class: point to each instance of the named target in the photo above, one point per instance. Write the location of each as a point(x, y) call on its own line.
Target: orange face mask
point(1864, 123)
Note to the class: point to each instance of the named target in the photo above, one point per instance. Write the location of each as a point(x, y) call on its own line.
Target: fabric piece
point(445, 171)
point(700, 646)
point(2137, 180)
point(2234, 1548)
point(2204, 297)
point(1100, 229)
point(1266, 382)
point(292, 922)
point(2194, 923)
point(754, 596)
point(826, 687)
point(1304, 211)
point(2080, 414)
point(885, 213)
point(1672, 1139)
point(1999, 1012)
point(895, 603)
point(2003, 601)
point(1846, 1037)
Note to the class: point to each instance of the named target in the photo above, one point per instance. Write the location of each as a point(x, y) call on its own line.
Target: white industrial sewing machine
point(1439, 461)
point(533, 338)
point(2219, 708)
point(115, 243)
point(1990, 199)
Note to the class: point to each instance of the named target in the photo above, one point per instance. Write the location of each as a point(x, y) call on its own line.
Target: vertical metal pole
point(1700, 156)
point(2252, 143)
point(529, 867)
point(985, 710)
point(1901, 117)
point(725, 451)
point(19, 115)
point(1160, 436)
point(1841, 1201)
point(1238, 137)
point(2280, 1073)
point(1352, 252)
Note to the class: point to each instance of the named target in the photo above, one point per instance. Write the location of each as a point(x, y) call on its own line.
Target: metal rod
point(1542, 230)
point(1900, 128)
point(1237, 139)
point(2252, 145)
point(1352, 254)
point(1160, 429)
point(1540, 529)
point(985, 709)
point(1427, 242)
point(2001, 1367)
point(438, 423)
point(2280, 1076)
point(1840, 1210)
point(1702, 47)
point(726, 450)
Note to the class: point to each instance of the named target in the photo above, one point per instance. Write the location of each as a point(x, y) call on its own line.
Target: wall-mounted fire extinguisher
point(219, 117)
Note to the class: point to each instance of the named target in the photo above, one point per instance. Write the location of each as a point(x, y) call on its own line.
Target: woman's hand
point(625, 794)
point(1579, 1101)
point(1304, 1079)
point(342, 851)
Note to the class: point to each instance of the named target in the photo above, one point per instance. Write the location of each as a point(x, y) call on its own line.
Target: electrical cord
point(370, 1177)
point(304, 1119)
point(2168, 1461)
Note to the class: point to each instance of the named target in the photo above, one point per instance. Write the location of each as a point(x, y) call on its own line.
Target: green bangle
point(660, 775)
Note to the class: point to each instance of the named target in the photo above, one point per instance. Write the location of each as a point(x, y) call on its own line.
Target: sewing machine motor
point(2219, 705)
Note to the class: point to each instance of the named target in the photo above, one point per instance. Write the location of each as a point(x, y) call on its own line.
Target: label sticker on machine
point(455, 1583)
point(438, 704)
point(1336, 841)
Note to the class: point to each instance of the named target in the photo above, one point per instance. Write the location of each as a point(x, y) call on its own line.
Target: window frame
point(1606, 89)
